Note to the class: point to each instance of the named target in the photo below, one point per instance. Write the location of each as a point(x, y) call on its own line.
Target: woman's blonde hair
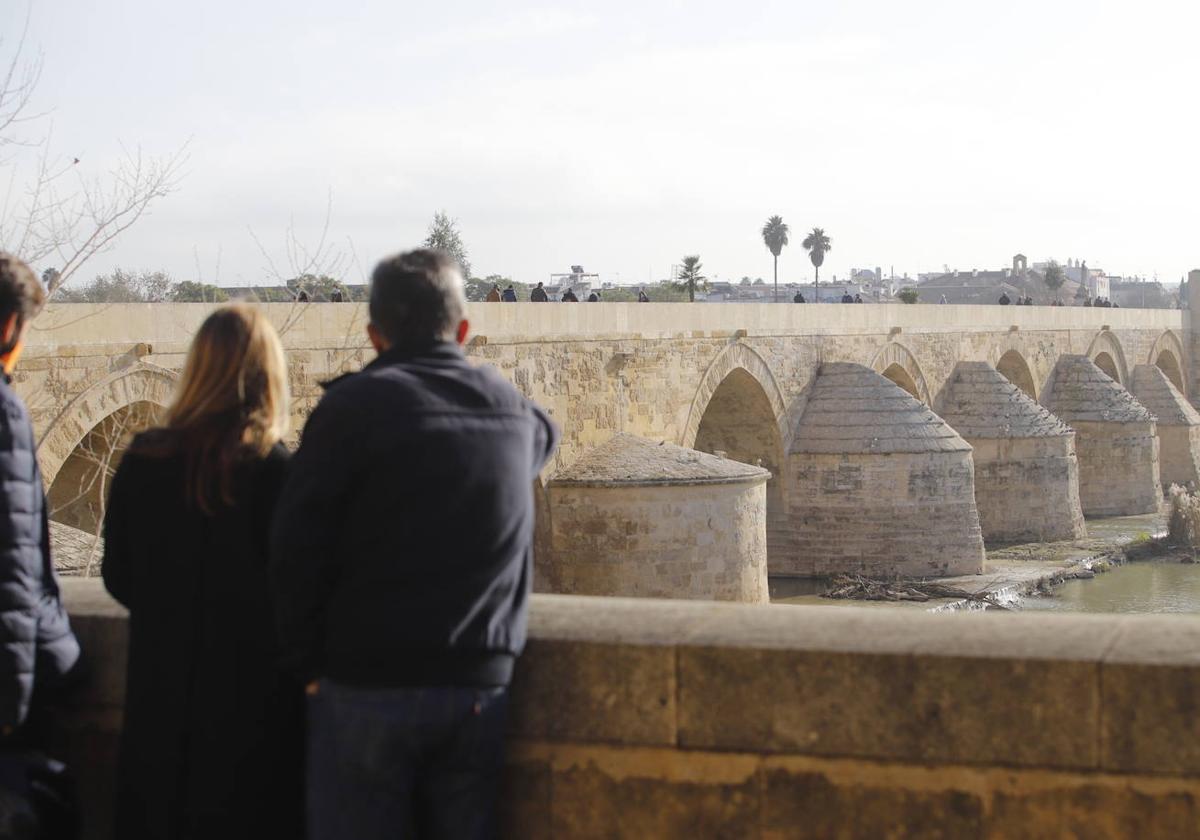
point(232, 402)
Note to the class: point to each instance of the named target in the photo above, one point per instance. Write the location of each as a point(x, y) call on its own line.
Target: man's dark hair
point(20, 293)
point(417, 297)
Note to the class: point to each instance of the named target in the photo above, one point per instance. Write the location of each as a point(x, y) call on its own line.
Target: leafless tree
point(50, 209)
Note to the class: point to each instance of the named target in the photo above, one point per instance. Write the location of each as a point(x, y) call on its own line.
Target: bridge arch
point(735, 357)
point(1167, 354)
point(84, 443)
point(897, 363)
point(1013, 367)
point(1108, 355)
point(738, 412)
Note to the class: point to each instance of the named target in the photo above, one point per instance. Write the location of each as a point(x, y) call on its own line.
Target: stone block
point(890, 705)
point(524, 803)
point(600, 793)
point(614, 693)
point(1150, 686)
point(803, 799)
point(1098, 808)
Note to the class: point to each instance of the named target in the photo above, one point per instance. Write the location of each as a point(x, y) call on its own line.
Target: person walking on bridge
point(538, 295)
point(406, 619)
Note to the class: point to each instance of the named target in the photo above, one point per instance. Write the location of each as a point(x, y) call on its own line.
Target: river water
point(1142, 587)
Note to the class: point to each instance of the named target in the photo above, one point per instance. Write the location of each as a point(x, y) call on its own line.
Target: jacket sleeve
point(116, 568)
point(306, 533)
point(20, 566)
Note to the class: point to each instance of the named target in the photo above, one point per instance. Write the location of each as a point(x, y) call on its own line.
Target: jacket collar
point(437, 351)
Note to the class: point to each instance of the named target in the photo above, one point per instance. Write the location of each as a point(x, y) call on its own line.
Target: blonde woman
point(212, 732)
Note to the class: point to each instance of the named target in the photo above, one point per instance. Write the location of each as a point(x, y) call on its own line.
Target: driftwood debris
point(859, 588)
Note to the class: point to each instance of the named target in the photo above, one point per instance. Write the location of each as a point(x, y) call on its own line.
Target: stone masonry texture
point(1178, 426)
point(639, 518)
point(1026, 471)
point(1116, 440)
point(878, 484)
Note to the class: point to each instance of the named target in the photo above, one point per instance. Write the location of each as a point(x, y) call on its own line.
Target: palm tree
point(689, 278)
point(818, 245)
point(775, 235)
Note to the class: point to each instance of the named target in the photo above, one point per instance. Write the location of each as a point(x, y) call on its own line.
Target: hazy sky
point(623, 135)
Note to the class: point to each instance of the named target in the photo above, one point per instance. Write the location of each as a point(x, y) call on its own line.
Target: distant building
point(1134, 293)
point(969, 287)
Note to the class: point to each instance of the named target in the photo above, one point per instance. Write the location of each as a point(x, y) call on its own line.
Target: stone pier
point(1178, 426)
point(877, 484)
point(636, 517)
point(1026, 471)
point(1116, 440)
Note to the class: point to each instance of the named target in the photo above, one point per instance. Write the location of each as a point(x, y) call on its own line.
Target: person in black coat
point(37, 648)
point(213, 733)
point(402, 566)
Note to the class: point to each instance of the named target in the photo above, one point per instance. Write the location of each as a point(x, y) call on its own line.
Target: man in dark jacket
point(401, 559)
point(538, 295)
point(37, 648)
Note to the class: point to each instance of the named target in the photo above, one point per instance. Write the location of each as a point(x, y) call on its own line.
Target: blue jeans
point(404, 762)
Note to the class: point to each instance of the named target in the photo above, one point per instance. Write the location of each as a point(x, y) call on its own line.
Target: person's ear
point(10, 331)
point(377, 340)
point(460, 335)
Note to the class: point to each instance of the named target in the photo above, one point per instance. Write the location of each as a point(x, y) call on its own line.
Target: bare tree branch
point(49, 208)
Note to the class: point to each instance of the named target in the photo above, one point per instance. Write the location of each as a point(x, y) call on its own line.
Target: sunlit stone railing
point(641, 718)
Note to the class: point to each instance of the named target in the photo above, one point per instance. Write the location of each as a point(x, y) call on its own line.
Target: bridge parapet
point(643, 718)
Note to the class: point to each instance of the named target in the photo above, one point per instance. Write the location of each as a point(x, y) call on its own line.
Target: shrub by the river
point(1184, 525)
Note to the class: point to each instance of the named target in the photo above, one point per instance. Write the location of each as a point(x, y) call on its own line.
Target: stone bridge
point(733, 379)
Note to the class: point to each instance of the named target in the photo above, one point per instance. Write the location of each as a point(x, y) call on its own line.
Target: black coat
point(34, 630)
point(212, 739)
point(402, 545)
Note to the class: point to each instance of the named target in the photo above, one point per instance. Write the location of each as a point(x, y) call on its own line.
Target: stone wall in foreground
point(639, 718)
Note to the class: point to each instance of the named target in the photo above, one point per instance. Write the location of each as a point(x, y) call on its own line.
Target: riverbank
point(1013, 571)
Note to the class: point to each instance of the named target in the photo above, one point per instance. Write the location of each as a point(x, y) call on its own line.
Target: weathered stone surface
point(803, 799)
point(1150, 682)
point(638, 518)
point(838, 704)
point(877, 484)
point(1049, 807)
point(630, 461)
point(1026, 471)
point(743, 763)
point(853, 410)
point(603, 793)
point(1178, 426)
point(1116, 440)
point(595, 692)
